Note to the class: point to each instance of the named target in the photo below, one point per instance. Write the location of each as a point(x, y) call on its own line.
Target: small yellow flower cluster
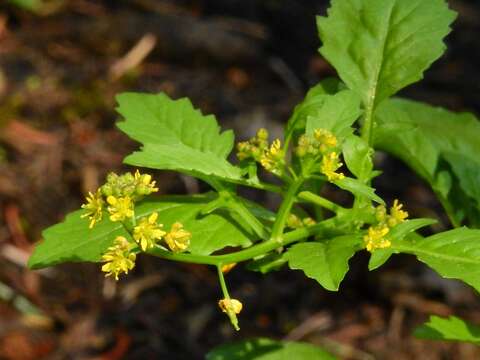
point(93, 208)
point(375, 237)
point(148, 232)
point(178, 239)
point(330, 164)
point(294, 222)
point(119, 258)
point(253, 148)
point(323, 144)
point(270, 157)
point(120, 193)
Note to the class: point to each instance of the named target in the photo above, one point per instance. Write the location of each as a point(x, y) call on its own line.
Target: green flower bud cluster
point(322, 142)
point(253, 148)
point(135, 186)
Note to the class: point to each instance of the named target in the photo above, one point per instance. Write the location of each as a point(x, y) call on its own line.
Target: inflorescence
point(117, 197)
point(376, 237)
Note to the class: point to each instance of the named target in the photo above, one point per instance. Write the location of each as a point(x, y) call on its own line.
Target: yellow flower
point(148, 232)
point(397, 215)
point(375, 237)
point(178, 239)
point(120, 208)
point(326, 139)
point(330, 164)
point(272, 158)
point(144, 184)
point(230, 306)
point(93, 208)
point(118, 258)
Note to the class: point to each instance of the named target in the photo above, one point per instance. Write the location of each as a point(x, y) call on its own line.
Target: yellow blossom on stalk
point(118, 258)
point(148, 232)
point(397, 215)
point(93, 208)
point(230, 306)
point(120, 208)
point(144, 184)
point(272, 158)
point(375, 237)
point(326, 139)
point(330, 164)
point(178, 239)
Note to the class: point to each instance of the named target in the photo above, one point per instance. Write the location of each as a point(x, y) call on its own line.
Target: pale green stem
point(320, 201)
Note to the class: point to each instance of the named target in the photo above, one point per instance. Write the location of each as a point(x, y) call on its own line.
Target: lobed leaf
point(267, 349)
point(358, 157)
point(380, 46)
point(453, 254)
point(175, 136)
point(326, 262)
point(73, 241)
point(451, 329)
point(425, 137)
point(358, 188)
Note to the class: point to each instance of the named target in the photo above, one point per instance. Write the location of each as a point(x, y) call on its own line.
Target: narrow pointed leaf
point(448, 329)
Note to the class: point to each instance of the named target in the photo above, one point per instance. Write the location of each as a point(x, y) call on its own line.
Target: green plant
point(377, 47)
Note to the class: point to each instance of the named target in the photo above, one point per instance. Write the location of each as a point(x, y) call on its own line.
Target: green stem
point(257, 185)
point(237, 206)
point(284, 211)
point(223, 285)
point(320, 201)
point(249, 253)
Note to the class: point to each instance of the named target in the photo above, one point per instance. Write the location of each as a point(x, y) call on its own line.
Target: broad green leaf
point(267, 349)
point(175, 136)
point(380, 46)
point(358, 188)
point(310, 105)
point(337, 114)
point(431, 136)
point(73, 241)
point(453, 254)
point(326, 262)
point(451, 329)
point(398, 233)
point(358, 157)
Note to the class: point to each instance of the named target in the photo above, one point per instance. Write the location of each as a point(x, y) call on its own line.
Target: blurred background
point(249, 62)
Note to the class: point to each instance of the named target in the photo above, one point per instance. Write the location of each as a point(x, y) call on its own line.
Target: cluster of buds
point(258, 149)
point(120, 193)
point(376, 234)
point(118, 197)
point(294, 222)
point(322, 145)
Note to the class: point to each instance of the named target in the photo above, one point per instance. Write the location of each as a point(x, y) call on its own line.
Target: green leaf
point(398, 233)
point(73, 241)
point(453, 254)
point(310, 105)
point(380, 46)
point(175, 136)
point(326, 262)
point(358, 188)
point(267, 349)
point(430, 137)
point(451, 329)
point(358, 157)
point(337, 114)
